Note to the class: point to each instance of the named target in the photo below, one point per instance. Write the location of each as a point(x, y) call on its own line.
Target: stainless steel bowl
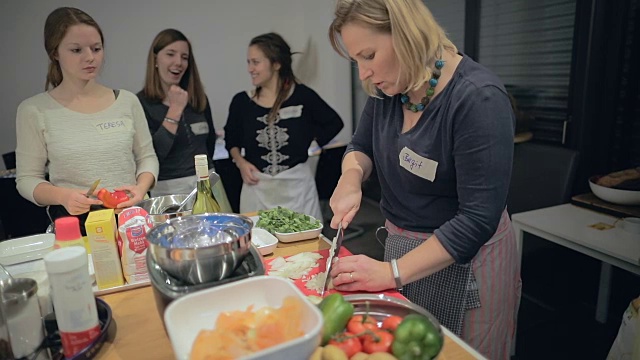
point(163, 208)
point(381, 307)
point(201, 248)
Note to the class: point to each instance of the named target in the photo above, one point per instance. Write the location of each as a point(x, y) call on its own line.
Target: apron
point(478, 301)
point(183, 185)
point(294, 189)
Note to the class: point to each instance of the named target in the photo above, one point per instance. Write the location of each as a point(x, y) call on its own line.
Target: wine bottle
point(205, 202)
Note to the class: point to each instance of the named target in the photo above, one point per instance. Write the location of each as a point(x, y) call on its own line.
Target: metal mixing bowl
point(163, 208)
point(201, 248)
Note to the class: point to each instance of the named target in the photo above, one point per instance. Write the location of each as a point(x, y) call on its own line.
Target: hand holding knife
point(93, 188)
point(333, 255)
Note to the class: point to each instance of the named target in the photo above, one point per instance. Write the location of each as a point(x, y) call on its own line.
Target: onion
point(296, 266)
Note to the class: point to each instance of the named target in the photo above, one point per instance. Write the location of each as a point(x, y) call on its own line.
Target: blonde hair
point(418, 40)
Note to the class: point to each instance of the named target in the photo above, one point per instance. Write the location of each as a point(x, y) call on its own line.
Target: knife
point(333, 254)
point(93, 187)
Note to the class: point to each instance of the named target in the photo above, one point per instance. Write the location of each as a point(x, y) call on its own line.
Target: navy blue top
point(283, 144)
point(468, 130)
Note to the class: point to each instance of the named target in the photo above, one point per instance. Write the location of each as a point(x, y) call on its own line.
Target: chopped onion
point(296, 266)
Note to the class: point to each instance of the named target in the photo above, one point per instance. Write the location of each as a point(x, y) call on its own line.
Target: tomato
point(348, 343)
point(359, 323)
point(377, 341)
point(112, 199)
point(391, 323)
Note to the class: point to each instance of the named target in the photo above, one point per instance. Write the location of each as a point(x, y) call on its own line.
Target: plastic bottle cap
point(66, 259)
point(67, 228)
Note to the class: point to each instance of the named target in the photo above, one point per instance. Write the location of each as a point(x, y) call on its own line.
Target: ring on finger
point(351, 276)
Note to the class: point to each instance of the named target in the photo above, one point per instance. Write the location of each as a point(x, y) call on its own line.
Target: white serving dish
point(255, 219)
point(26, 248)
point(185, 317)
point(300, 235)
point(616, 196)
point(263, 240)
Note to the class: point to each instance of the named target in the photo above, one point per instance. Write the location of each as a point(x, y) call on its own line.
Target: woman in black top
point(177, 111)
point(275, 125)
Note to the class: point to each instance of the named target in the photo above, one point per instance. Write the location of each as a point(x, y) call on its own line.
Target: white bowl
point(616, 196)
point(300, 235)
point(185, 317)
point(263, 240)
point(26, 248)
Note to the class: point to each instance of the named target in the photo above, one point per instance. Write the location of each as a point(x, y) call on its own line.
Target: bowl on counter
point(263, 240)
point(163, 208)
point(613, 195)
point(299, 235)
point(185, 317)
point(381, 307)
point(201, 248)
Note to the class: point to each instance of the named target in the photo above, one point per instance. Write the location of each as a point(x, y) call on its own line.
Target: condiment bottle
point(73, 300)
point(24, 322)
point(205, 202)
point(68, 232)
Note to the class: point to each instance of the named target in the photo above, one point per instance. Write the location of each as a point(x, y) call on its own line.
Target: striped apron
point(478, 301)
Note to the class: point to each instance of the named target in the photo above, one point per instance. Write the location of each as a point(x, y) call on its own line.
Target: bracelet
point(171, 121)
point(396, 274)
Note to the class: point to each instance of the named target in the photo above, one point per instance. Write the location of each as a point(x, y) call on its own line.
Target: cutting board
point(300, 283)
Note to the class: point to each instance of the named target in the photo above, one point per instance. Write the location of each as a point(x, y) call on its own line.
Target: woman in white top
point(80, 131)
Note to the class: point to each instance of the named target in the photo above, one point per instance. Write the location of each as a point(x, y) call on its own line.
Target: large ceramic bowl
point(201, 248)
point(185, 317)
point(163, 208)
point(613, 195)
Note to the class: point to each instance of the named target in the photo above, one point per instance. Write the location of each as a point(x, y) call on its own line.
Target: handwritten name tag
point(418, 165)
point(290, 112)
point(200, 128)
point(110, 126)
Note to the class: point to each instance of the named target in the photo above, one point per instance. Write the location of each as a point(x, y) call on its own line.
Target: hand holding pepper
point(111, 200)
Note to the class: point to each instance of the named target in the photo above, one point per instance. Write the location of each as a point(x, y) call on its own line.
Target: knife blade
point(333, 253)
point(93, 187)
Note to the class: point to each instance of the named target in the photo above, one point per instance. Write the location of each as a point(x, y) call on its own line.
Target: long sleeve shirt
point(113, 145)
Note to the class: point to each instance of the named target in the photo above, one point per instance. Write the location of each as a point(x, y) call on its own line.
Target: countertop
point(140, 332)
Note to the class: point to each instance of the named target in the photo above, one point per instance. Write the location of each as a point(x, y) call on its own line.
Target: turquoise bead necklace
point(433, 82)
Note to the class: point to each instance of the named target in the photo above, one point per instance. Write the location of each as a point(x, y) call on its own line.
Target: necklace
point(433, 82)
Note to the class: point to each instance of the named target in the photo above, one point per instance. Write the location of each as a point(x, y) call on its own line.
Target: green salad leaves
point(283, 220)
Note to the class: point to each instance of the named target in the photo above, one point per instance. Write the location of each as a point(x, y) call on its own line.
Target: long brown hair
point(190, 80)
point(55, 29)
point(278, 51)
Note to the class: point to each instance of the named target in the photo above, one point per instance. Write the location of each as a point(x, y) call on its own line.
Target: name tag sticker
point(200, 128)
point(110, 126)
point(418, 165)
point(290, 112)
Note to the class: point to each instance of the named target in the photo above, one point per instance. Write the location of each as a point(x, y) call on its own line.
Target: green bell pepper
point(416, 338)
point(336, 312)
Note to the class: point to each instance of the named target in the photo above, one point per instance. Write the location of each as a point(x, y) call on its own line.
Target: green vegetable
point(283, 220)
point(336, 312)
point(416, 338)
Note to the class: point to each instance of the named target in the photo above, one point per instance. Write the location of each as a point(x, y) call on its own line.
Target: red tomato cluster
point(364, 335)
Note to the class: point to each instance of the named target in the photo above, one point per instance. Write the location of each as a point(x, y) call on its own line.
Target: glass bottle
point(205, 203)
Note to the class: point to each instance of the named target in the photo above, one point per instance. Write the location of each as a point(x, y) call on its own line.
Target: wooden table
point(140, 332)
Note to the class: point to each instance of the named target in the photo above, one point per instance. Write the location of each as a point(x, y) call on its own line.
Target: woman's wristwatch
point(171, 121)
point(396, 274)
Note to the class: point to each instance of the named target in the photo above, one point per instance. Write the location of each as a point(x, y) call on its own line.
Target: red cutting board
point(300, 283)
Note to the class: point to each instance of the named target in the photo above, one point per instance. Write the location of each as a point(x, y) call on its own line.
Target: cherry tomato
point(348, 343)
point(112, 199)
point(360, 323)
point(391, 323)
point(378, 341)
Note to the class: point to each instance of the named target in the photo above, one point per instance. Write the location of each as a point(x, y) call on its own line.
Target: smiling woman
point(80, 130)
point(178, 112)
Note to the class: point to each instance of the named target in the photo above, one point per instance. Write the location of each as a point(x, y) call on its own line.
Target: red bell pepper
point(112, 199)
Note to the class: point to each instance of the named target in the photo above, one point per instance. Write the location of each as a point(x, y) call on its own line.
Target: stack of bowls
point(201, 248)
